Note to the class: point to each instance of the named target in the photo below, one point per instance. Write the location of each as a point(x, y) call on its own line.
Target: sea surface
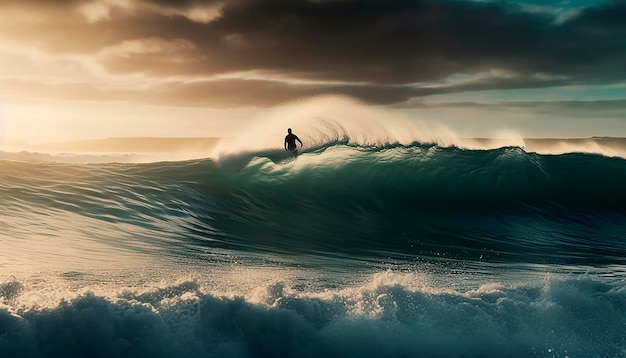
point(396, 250)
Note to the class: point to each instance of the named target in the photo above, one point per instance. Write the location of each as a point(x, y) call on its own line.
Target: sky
point(73, 69)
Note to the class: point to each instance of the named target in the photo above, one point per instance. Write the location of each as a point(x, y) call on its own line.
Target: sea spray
point(384, 315)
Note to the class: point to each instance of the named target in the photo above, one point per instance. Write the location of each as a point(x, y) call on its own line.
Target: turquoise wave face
point(421, 201)
point(361, 202)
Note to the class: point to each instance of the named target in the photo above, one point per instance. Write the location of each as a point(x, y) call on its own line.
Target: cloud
point(583, 109)
point(615, 108)
point(386, 51)
point(214, 93)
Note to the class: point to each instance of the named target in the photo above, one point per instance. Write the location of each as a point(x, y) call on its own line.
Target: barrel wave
point(347, 250)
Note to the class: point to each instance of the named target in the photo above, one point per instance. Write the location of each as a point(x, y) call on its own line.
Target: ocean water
point(351, 250)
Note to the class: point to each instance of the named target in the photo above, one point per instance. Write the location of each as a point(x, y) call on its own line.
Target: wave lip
point(146, 150)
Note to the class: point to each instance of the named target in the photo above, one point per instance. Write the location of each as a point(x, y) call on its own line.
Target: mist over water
point(324, 120)
point(319, 122)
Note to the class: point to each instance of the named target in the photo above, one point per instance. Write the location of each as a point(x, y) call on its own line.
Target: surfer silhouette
point(290, 142)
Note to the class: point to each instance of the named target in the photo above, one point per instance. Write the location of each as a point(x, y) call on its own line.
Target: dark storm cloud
point(397, 42)
point(386, 42)
point(380, 49)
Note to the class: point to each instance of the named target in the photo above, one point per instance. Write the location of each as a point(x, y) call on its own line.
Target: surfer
point(290, 142)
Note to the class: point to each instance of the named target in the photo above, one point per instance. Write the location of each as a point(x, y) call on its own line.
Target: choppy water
point(395, 250)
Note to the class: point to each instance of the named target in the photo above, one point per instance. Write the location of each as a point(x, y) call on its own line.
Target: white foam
point(389, 314)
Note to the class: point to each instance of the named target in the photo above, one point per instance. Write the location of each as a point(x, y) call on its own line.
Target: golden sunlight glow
point(204, 14)
point(99, 10)
point(152, 45)
point(103, 68)
point(94, 11)
point(198, 13)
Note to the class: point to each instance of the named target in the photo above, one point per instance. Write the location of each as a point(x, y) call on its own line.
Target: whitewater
point(380, 239)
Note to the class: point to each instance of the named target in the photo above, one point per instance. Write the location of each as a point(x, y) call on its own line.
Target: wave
point(396, 199)
point(384, 316)
point(354, 201)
